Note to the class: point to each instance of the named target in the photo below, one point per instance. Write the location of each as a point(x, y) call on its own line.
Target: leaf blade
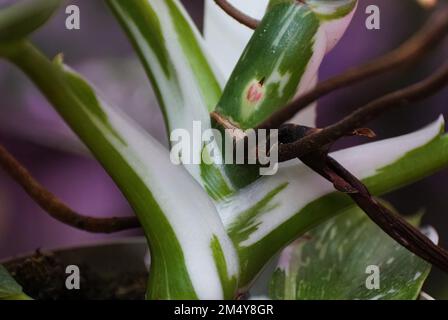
point(179, 232)
point(333, 262)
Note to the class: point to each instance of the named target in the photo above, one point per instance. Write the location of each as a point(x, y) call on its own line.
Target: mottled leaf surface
point(332, 262)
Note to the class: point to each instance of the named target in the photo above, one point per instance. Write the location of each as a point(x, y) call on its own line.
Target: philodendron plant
point(212, 228)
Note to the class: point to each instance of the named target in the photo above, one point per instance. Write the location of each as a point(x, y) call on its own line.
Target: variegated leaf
point(265, 216)
point(348, 258)
point(283, 57)
point(192, 256)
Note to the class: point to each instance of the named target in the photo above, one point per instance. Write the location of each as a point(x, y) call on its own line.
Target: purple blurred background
point(32, 131)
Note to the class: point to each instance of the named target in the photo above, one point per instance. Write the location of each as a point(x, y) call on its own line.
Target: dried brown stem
point(343, 181)
point(395, 226)
point(427, 38)
point(236, 14)
point(55, 207)
point(363, 115)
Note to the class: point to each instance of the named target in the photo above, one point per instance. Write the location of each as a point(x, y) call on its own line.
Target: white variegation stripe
point(328, 35)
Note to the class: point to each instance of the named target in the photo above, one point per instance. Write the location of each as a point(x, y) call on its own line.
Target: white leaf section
point(335, 29)
point(329, 34)
point(305, 186)
point(431, 233)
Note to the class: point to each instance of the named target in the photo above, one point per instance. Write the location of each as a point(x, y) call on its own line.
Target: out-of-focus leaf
point(192, 256)
point(172, 51)
point(339, 259)
point(427, 4)
point(265, 216)
point(19, 20)
point(9, 288)
point(33, 121)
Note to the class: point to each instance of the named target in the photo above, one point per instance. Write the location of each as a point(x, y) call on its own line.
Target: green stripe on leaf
point(229, 284)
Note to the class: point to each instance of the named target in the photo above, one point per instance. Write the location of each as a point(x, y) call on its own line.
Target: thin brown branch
point(419, 45)
point(363, 115)
point(394, 225)
point(55, 207)
point(236, 14)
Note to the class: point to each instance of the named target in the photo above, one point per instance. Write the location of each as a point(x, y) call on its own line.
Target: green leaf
point(267, 215)
point(9, 288)
point(335, 260)
point(19, 20)
point(190, 249)
point(185, 81)
point(282, 59)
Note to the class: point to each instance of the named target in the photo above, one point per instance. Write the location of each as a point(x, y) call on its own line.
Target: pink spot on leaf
point(255, 92)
